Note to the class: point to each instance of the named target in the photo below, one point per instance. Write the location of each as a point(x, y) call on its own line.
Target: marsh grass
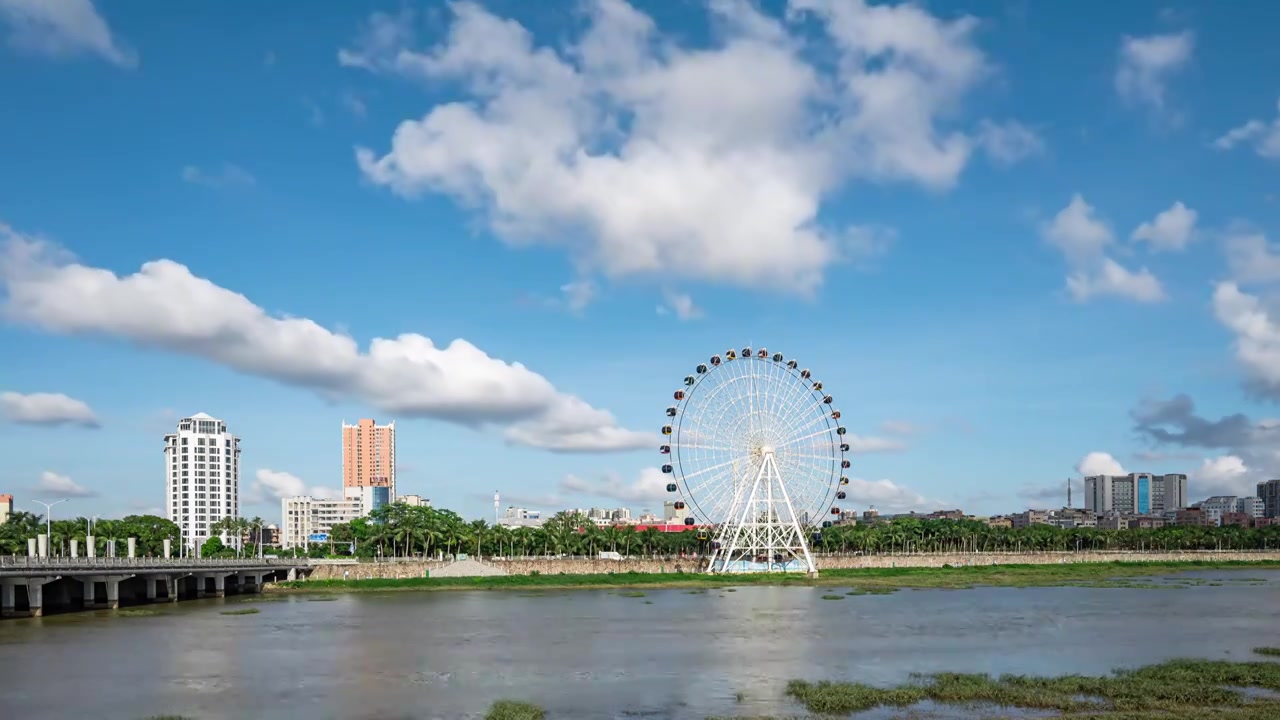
point(868, 580)
point(1180, 686)
point(514, 710)
point(137, 612)
point(242, 611)
point(632, 593)
point(832, 597)
point(1273, 651)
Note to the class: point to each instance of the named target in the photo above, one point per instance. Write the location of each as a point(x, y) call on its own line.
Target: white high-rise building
point(202, 477)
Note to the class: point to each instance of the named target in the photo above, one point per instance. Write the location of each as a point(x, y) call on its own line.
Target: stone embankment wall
point(587, 566)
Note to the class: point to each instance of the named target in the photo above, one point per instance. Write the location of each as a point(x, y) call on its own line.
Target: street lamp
point(48, 520)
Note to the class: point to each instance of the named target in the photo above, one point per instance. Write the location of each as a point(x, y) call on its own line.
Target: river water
point(598, 654)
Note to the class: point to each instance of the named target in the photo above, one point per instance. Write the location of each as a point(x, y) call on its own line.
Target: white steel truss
point(762, 532)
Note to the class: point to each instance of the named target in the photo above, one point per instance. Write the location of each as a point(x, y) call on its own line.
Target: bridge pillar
point(35, 594)
point(8, 599)
point(253, 586)
point(90, 593)
point(171, 584)
point(219, 585)
point(151, 588)
point(293, 574)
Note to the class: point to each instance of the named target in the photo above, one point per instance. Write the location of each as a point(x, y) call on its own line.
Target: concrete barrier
point(595, 566)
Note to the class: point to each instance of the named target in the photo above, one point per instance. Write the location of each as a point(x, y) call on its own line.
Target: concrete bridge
point(30, 586)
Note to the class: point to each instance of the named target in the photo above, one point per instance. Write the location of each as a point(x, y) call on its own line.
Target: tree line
point(401, 530)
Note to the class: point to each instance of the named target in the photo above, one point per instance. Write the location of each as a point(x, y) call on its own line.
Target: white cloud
point(1263, 136)
point(61, 29)
point(863, 444)
point(1008, 143)
point(1147, 64)
point(884, 495)
point(643, 157)
point(679, 304)
point(1257, 336)
point(53, 485)
point(1113, 279)
point(1251, 258)
point(229, 175)
point(899, 427)
point(354, 104)
point(1083, 239)
point(274, 485)
point(46, 409)
point(1224, 475)
point(1170, 230)
point(1099, 463)
point(164, 306)
point(651, 486)
point(578, 295)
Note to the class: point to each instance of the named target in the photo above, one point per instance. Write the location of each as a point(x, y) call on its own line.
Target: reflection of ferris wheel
point(756, 450)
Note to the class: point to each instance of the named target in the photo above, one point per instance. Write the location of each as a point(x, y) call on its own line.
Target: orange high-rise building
point(369, 455)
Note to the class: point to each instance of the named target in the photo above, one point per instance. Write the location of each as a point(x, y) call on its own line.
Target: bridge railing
point(19, 562)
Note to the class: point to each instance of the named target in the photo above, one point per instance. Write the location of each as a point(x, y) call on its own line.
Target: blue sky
point(1018, 241)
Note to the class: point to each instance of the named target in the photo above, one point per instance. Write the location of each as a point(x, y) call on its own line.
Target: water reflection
point(592, 654)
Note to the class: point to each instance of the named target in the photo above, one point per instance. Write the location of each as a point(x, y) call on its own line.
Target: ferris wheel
point(755, 453)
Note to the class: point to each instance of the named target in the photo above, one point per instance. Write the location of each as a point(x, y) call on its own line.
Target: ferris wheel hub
point(766, 449)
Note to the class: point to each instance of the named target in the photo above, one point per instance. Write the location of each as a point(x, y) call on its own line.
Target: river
point(598, 654)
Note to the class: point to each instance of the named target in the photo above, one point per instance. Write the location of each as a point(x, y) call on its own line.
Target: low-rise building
point(1238, 519)
point(946, 515)
point(6, 508)
point(413, 501)
point(306, 519)
point(1194, 516)
point(1029, 518)
point(999, 521)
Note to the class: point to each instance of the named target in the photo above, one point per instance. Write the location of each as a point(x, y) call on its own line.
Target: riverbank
point(1187, 689)
point(1092, 574)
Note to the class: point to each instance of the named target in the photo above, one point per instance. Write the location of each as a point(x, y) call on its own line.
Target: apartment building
point(369, 455)
point(1269, 491)
point(1135, 493)
point(202, 477)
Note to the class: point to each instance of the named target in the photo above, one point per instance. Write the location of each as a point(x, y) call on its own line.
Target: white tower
point(496, 517)
point(202, 477)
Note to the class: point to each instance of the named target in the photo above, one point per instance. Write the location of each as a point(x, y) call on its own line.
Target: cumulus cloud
point(1147, 64)
point(1171, 230)
point(1251, 258)
point(646, 158)
point(53, 485)
point(1008, 143)
point(62, 29)
point(228, 175)
point(47, 409)
point(164, 306)
point(1264, 137)
point(885, 495)
point(863, 444)
point(1083, 239)
point(679, 304)
point(1099, 463)
point(274, 485)
point(1223, 475)
point(651, 486)
point(1257, 336)
point(1248, 450)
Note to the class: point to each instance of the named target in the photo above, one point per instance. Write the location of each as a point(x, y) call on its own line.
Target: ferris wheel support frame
point(745, 537)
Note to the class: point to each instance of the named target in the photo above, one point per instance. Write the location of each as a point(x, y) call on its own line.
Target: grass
point(137, 612)
point(867, 580)
point(515, 710)
point(242, 611)
point(832, 597)
point(1190, 688)
point(631, 593)
point(1273, 651)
